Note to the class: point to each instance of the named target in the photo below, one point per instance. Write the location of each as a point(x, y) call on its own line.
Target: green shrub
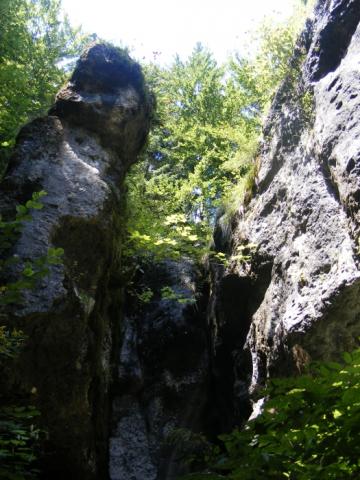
point(18, 442)
point(309, 429)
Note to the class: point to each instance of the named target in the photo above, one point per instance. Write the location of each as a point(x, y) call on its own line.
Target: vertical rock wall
point(79, 155)
point(163, 376)
point(301, 290)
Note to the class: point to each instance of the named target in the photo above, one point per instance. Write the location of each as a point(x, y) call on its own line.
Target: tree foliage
point(194, 150)
point(36, 42)
point(309, 429)
point(202, 149)
point(257, 76)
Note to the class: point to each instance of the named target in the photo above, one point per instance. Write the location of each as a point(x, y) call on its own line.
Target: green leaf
point(21, 209)
point(347, 357)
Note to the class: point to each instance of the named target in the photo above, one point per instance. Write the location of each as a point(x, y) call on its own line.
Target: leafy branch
point(309, 428)
point(19, 435)
point(32, 270)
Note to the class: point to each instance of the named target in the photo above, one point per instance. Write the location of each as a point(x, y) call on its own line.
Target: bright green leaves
point(145, 296)
point(9, 229)
point(168, 293)
point(202, 151)
point(54, 256)
point(22, 211)
point(197, 152)
point(197, 135)
point(309, 429)
point(256, 77)
point(244, 255)
point(35, 44)
point(173, 238)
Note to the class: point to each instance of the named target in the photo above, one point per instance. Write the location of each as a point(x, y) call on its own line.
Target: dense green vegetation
point(37, 45)
point(202, 149)
point(309, 429)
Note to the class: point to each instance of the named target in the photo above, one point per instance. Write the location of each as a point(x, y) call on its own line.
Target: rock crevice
point(192, 361)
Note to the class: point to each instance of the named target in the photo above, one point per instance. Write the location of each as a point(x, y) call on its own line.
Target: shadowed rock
point(79, 155)
point(162, 381)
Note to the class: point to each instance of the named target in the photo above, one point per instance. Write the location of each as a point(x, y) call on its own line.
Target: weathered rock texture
point(78, 155)
point(299, 296)
point(296, 299)
point(163, 376)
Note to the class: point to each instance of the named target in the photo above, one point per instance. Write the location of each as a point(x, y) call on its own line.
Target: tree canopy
point(36, 44)
point(203, 146)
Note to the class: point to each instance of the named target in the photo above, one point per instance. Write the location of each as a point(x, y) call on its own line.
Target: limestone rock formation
point(289, 294)
point(79, 155)
point(300, 292)
point(163, 378)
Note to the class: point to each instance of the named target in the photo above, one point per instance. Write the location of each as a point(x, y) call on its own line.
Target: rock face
point(163, 375)
point(78, 155)
point(298, 298)
point(290, 292)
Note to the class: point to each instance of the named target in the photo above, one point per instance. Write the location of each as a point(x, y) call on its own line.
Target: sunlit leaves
point(309, 429)
point(203, 147)
point(36, 43)
point(168, 293)
point(197, 151)
point(256, 77)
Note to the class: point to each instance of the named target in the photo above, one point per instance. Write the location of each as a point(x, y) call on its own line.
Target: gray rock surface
point(163, 375)
point(78, 155)
point(296, 299)
point(301, 288)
